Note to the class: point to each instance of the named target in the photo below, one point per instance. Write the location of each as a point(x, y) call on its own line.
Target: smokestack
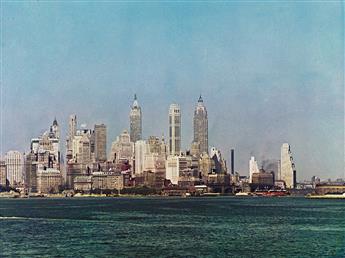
point(232, 162)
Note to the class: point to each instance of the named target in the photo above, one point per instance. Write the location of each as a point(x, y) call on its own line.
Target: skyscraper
point(201, 126)
point(72, 129)
point(135, 121)
point(287, 166)
point(253, 168)
point(100, 142)
point(14, 168)
point(174, 129)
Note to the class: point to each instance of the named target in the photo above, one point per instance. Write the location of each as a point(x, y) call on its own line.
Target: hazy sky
point(269, 73)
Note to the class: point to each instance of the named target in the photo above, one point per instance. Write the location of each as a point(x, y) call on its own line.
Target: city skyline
point(289, 91)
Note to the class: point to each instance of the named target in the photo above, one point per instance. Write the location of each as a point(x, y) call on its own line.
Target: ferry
point(272, 193)
point(326, 196)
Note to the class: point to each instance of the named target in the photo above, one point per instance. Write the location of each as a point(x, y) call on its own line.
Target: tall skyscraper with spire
point(201, 126)
point(135, 121)
point(174, 129)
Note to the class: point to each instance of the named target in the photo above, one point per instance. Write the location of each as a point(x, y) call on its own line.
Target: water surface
point(172, 227)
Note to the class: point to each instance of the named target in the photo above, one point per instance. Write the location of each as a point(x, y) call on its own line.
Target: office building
point(174, 129)
point(253, 168)
point(14, 161)
point(201, 126)
point(100, 142)
point(72, 129)
point(3, 178)
point(287, 166)
point(135, 121)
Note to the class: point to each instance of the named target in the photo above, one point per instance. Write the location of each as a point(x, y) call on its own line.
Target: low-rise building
point(48, 180)
point(83, 183)
point(3, 173)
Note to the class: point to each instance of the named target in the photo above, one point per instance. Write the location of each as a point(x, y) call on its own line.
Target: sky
point(269, 72)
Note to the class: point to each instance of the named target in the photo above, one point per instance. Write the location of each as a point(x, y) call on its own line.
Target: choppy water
point(151, 227)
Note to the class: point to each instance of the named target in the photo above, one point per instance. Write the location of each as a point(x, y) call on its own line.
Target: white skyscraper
point(141, 150)
point(287, 166)
point(253, 168)
point(14, 167)
point(174, 129)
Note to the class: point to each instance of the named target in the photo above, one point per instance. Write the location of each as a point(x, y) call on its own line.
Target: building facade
point(135, 121)
point(287, 166)
point(100, 142)
point(253, 168)
point(200, 122)
point(48, 180)
point(122, 148)
point(3, 178)
point(174, 129)
point(14, 161)
point(72, 129)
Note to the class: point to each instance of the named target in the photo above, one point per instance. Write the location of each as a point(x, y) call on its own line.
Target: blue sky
point(269, 73)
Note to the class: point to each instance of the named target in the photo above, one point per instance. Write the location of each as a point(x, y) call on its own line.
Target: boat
point(243, 194)
point(326, 196)
point(272, 193)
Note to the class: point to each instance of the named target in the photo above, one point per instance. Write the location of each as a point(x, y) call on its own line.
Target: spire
point(55, 122)
point(200, 99)
point(135, 102)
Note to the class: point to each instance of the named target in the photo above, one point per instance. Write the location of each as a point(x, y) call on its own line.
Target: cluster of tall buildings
point(285, 174)
point(132, 161)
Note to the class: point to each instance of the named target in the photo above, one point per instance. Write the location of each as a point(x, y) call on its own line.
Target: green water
point(164, 227)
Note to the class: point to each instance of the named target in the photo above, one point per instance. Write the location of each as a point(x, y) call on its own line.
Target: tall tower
point(72, 130)
point(201, 126)
point(287, 167)
point(174, 129)
point(100, 142)
point(135, 121)
point(253, 168)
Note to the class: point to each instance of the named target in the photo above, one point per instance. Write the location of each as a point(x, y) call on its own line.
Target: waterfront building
point(83, 183)
point(3, 178)
point(287, 166)
point(174, 129)
point(263, 178)
point(253, 168)
point(100, 142)
point(135, 121)
point(201, 126)
point(14, 161)
point(48, 180)
point(107, 180)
